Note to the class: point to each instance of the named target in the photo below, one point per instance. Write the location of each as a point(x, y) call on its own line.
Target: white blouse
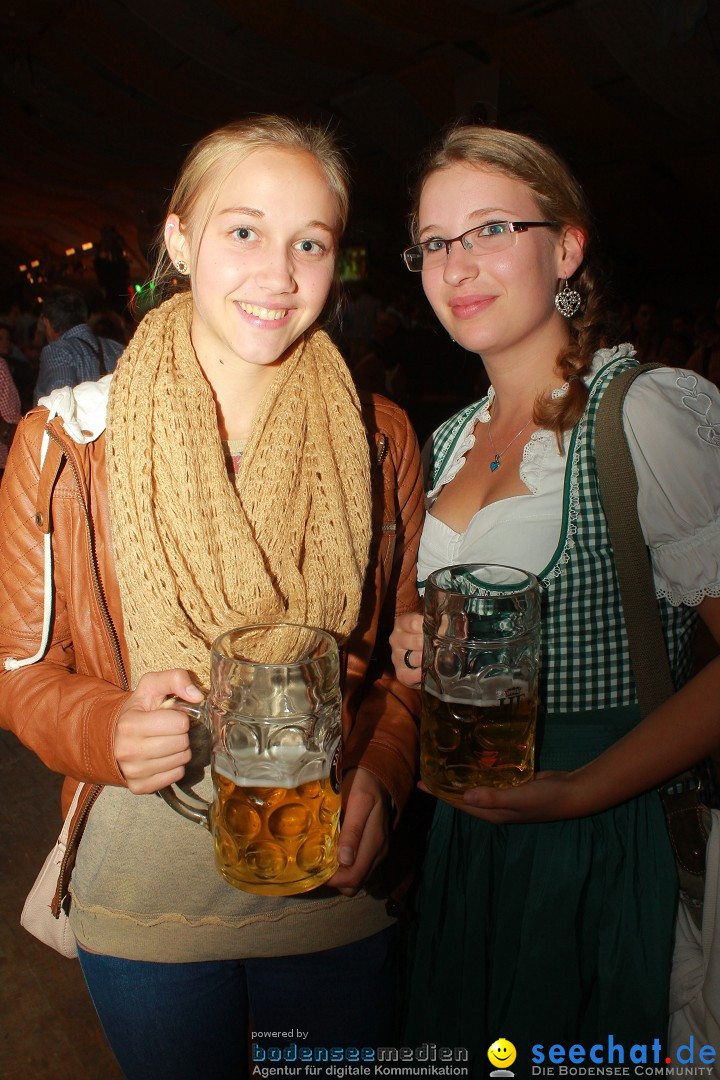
point(672, 421)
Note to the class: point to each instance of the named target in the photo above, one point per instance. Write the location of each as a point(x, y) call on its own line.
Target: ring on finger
point(408, 654)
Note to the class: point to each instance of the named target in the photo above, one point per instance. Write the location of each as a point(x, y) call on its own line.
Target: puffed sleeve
point(672, 422)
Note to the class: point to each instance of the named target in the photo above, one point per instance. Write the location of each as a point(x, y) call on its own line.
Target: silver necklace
point(495, 463)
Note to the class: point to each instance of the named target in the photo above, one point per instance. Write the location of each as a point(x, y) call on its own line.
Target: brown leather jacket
point(65, 706)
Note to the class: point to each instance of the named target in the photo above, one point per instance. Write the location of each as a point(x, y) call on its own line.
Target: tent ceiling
point(101, 100)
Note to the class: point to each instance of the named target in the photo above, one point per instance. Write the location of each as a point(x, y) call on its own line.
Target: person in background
point(705, 358)
point(226, 474)
point(109, 324)
point(546, 912)
point(678, 342)
point(645, 333)
point(74, 353)
point(34, 345)
point(382, 368)
point(10, 413)
point(112, 269)
point(18, 365)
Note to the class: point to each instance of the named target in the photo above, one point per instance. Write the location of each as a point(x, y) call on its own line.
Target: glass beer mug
point(274, 715)
point(481, 649)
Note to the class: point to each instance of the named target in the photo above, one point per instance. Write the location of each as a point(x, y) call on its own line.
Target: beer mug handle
point(199, 814)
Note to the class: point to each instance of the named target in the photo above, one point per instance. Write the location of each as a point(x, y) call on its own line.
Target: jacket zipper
point(99, 592)
point(68, 862)
point(61, 890)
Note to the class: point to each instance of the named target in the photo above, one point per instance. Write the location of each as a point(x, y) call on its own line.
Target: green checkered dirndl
point(559, 932)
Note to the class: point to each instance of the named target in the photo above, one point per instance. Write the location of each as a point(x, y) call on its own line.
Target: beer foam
point(493, 691)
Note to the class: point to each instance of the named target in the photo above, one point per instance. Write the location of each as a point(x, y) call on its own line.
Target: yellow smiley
point(502, 1053)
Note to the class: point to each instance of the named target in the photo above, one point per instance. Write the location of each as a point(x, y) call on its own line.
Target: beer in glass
point(479, 683)
point(274, 713)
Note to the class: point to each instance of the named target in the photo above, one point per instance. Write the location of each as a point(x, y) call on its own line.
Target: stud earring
point(181, 266)
point(568, 301)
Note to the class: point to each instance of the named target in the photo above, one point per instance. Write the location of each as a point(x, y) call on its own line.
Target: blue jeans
point(192, 1020)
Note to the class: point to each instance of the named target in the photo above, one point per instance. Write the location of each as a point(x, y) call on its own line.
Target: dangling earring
point(568, 301)
point(182, 267)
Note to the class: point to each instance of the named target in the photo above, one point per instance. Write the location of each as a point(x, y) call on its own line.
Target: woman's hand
point(365, 830)
point(151, 742)
point(551, 796)
point(406, 640)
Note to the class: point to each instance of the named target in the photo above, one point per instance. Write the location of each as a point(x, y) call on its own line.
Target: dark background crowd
point(390, 339)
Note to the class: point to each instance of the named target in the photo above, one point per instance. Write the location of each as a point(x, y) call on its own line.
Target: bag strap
point(618, 493)
point(101, 357)
point(686, 817)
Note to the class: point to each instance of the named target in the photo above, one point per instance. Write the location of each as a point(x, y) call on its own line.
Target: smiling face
point(495, 303)
point(263, 266)
point(502, 1053)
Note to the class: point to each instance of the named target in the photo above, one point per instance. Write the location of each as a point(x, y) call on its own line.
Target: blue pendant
point(495, 464)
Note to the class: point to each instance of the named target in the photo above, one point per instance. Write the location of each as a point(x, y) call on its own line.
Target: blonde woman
point(225, 474)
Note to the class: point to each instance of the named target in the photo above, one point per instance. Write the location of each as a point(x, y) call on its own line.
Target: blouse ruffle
point(672, 420)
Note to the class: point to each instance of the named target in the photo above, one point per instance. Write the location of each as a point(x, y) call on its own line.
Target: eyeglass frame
point(516, 227)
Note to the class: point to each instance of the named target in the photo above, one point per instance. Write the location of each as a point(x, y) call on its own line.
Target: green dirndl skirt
point(544, 934)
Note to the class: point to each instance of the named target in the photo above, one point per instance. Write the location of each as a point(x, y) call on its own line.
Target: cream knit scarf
point(195, 558)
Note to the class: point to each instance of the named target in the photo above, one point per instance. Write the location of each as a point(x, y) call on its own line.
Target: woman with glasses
point(546, 912)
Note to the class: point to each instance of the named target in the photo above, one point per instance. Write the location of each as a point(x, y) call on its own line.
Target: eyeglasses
point(484, 240)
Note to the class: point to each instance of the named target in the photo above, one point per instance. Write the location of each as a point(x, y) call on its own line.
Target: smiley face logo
point(502, 1053)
